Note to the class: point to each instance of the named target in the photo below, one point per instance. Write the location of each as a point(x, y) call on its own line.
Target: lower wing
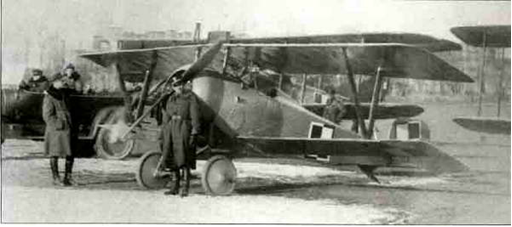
point(487, 125)
point(385, 153)
point(383, 110)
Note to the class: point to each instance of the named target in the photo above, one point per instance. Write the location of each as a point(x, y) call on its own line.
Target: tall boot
point(184, 190)
point(68, 180)
point(177, 178)
point(54, 166)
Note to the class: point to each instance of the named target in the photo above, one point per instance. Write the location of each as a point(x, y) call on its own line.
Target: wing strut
point(500, 83)
point(303, 88)
point(482, 73)
point(357, 105)
point(126, 96)
point(375, 101)
point(226, 59)
point(280, 84)
point(147, 80)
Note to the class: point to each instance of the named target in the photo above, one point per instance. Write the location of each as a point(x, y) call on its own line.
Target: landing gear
point(219, 175)
point(146, 170)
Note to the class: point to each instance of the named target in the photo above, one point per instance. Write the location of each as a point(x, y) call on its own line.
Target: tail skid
point(369, 172)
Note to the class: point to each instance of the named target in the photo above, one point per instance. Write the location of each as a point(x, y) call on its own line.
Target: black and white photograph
point(273, 112)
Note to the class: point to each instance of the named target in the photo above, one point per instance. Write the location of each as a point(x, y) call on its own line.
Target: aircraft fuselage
point(239, 111)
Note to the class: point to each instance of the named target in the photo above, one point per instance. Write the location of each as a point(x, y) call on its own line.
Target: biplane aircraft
point(21, 109)
point(491, 36)
point(240, 118)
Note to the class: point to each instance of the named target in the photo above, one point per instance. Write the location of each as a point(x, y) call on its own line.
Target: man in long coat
point(180, 127)
point(57, 137)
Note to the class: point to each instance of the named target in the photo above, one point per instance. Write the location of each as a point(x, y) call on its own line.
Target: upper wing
point(363, 152)
point(495, 35)
point(382, 111)
point(135, 62)
point(396, 60)
point(423, 41)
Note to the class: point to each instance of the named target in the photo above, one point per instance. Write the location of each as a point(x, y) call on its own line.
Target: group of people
point(40, 83)
point(180, 126)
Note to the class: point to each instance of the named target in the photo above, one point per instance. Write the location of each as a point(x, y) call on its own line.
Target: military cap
point(37, 72)
point(69, 66)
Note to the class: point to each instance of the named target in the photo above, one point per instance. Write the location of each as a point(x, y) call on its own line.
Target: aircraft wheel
point(218, 176)
point(145, 170)
point(117, 150)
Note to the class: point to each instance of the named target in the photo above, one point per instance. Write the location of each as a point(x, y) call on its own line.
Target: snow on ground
point(23, 204)
point(264, 170)
point(244, 169)
point(414, 181)
point(24, 148)
point(27, 195)
point(21, 148)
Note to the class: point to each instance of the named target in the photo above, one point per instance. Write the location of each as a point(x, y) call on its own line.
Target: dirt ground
point(109, 193)
point(271, 191)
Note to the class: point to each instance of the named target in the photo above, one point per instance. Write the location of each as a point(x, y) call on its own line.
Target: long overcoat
point(57, 136)
point(180, 121)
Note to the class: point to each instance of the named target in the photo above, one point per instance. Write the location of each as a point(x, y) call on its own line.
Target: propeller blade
point(202, 62)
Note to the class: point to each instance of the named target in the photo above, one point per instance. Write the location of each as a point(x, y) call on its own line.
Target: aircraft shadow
point(279, 188)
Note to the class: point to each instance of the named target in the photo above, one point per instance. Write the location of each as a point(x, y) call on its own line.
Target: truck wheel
point(106, 149)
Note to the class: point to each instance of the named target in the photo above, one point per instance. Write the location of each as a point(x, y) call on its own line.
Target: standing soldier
point(180, 127)
point(37, 82)
point(57, 137)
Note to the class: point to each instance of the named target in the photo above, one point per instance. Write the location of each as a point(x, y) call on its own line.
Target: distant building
point(108, 40)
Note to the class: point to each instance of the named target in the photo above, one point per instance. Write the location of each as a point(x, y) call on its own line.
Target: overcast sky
point(24, 21)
